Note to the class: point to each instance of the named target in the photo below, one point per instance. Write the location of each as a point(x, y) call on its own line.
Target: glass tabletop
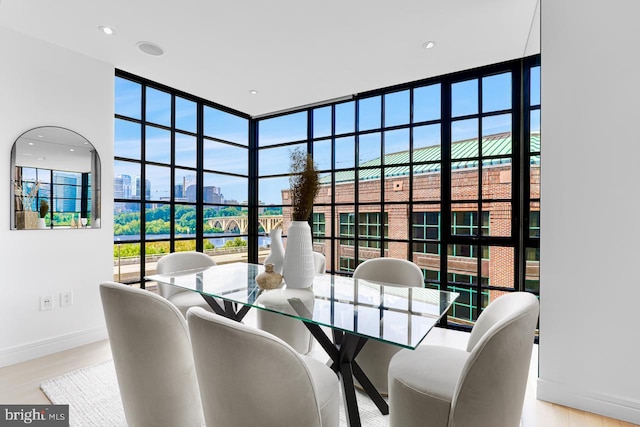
point(382, 311)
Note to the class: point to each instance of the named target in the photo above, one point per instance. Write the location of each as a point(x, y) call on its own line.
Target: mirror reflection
point(55, 181)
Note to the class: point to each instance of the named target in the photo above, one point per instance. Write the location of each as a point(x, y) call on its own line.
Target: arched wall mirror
point(55, 181)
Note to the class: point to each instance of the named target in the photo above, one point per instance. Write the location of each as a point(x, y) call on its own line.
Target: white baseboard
point(609, 406)
point(47, 346)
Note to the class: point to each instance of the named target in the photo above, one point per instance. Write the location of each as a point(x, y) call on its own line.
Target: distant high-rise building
point(122, 190)
point(138, 190)
point(44, 192)
point(186, 185)
point(212, 194)
point(117, 187)
point(178, 191)
point(186, 190)
point(67, 191)
point(188, 180)
point(122, 187)
point(126, 186)
point(190, 193)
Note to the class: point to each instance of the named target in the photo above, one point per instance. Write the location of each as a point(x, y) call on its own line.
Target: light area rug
point(94, 399)
point(92, 395)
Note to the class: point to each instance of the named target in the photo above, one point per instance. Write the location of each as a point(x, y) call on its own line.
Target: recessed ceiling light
point(150, 48)
point(71, 149)
point(40, 136)
point(41, 158)
point(31, 143)
point(107, 30)
point(429, 45)
point(253, 92)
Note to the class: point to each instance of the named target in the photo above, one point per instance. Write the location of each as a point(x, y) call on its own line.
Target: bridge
point(241, 223)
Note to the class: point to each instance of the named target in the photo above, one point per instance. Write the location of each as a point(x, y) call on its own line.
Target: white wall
point(42, 84)
point(590, 242)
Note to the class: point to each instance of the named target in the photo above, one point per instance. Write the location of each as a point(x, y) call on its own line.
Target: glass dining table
point(355, 310)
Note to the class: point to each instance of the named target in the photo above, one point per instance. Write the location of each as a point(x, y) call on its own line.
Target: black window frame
point(520, 158)
point(198, 170)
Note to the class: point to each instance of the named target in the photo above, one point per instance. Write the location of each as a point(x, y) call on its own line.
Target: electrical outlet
point(66, 299)
point(46, 303)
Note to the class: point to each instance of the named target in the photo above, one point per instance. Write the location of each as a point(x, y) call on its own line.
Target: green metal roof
point(492, 146)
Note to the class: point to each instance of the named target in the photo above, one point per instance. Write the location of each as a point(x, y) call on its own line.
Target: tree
point(237, 242)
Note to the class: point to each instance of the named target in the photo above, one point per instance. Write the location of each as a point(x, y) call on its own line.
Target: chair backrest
point(390, 270)
point(152, 356)
point(491, 387)
point(320, 263)
point(179, 261)
point(257, 379)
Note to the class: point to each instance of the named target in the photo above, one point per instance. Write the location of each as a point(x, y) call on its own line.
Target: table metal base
point(230, 309)
point(343, 351)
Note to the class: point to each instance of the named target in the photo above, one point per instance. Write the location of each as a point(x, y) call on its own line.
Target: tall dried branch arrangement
point(304, 184)
point(24, 199)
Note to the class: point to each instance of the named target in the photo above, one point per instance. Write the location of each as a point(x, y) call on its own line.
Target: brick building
point(409, 215)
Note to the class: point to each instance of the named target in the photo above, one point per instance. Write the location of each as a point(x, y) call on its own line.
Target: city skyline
point(66, 188)
point(185, 190)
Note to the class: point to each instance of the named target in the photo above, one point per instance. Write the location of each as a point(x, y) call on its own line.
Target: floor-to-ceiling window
point(67, 195)
point(531, 180)
point(181, 174)
point(443, 172)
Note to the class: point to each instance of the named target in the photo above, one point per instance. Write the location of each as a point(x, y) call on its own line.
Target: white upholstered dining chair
point(152, 355)
point(375, 356)
point(179, 261)
point(292, 331)
point(482, 386)
point(319, 263)
point(257, 379)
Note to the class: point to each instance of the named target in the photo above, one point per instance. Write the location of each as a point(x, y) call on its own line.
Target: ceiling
point(53, 148)
point(293, 52)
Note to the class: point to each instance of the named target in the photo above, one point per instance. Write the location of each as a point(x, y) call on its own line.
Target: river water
point(217, 239)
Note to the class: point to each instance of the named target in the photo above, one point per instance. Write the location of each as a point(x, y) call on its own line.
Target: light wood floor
point(19, 384)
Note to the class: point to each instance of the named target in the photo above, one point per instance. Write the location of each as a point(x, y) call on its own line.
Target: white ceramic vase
point(42, 225)
point(299, 268)
point(276, 256)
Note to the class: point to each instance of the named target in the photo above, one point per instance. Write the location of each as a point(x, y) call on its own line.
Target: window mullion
point(200, 180)
point(252, 215)
point(521, 173)
point(143, 185)
point(172, 199)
